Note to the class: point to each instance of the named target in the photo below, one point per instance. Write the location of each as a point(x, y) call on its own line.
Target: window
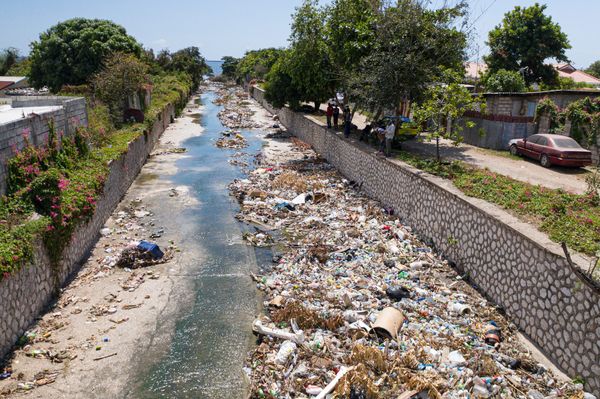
point(531, 106)
point(542, 141)
point(533, 139)
point(566, 143)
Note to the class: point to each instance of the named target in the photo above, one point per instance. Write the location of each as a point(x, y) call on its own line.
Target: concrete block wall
point(35, 127)
point(25, 294)
point(512, 263)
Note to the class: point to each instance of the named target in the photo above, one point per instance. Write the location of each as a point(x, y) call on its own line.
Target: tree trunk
point(378, 114)
point(437, 149)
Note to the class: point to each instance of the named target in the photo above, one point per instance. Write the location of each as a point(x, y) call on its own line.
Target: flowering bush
point(62, 181)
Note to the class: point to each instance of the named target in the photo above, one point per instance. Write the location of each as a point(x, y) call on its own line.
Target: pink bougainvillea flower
point(63, 184)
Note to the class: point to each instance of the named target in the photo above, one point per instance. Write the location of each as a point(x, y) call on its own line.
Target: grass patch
point(565, 217)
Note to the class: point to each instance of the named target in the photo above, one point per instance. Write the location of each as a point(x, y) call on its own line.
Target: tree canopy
point(309, 65)
point(594, 69)
point(190, 61)
point(255, 64)
point(121, 77)
point(229, 66)
point(504, 81)
point(524, 40)
point(351, 33)
point(74, 50)
point(413, 46)
point(9, 57)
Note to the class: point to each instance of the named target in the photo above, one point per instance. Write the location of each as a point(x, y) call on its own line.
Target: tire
point(514, 150)
point(545, 161)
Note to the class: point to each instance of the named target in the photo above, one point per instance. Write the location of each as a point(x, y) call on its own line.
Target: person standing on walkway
point(390, 132)
point(380, 133)
point(329, 114)
point(347, 121)
point(336, 116)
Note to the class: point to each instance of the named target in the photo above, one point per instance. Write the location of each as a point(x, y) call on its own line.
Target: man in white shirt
point(390, 132)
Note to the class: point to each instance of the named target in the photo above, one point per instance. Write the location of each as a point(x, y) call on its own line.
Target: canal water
point(212, 334)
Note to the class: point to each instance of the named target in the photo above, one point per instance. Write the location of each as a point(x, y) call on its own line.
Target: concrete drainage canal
point(203, 358)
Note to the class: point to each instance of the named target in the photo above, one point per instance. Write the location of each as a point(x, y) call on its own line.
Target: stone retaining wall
point(25, 294)
point(512, 263)
point(12, 135)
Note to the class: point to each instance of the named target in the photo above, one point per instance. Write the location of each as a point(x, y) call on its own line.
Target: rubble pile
point(358, 307)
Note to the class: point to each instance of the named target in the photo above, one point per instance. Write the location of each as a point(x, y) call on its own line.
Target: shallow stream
point(213, 333)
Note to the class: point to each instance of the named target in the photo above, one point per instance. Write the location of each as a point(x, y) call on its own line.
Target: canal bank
point(179, 329)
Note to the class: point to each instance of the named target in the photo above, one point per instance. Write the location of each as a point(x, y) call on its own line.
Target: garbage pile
point(358, 307)
point(235, 113)
point(232, 140)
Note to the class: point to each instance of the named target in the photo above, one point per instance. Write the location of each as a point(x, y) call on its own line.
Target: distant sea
point(216, 66)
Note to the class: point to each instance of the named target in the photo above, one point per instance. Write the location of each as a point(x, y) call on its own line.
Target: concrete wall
point(12, 137)
point(25, 294)
point(512, 263)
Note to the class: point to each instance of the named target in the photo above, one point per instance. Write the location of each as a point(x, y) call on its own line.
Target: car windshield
point(566, 143)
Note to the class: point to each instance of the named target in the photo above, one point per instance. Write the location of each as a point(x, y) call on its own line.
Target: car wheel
point(514, 150)
point(545, 161)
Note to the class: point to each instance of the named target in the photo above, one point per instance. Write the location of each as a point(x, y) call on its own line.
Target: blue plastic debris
point(152, 248)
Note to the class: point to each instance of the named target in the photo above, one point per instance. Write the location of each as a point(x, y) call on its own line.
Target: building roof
point(4, 85)
point(586, 92)
point(12, 82)
point(569, 71)
point(474, 70)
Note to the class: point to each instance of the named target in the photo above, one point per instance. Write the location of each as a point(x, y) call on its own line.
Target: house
point(569, 71)
point(475, 70)
point(12, 82)
point(512, 115)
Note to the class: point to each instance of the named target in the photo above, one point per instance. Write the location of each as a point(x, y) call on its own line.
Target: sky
point(230, 27)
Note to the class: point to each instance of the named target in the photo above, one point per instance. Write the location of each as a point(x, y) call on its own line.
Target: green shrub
point(504, 81)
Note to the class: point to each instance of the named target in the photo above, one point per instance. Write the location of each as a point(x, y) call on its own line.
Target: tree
point(9, 57)
point(21, 68)
point(256, 64)
point(309, 64)
point(122, 76)
point(594, 69)
point(524, 41)
point(190, 61)
point(351, 33)
point(229, 66)
point(443, 108)
point(414, 44)
point(279, 87)
point(504, 81)
point(72, 51)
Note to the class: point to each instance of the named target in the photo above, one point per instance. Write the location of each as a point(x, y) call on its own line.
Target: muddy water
point(204, 356)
